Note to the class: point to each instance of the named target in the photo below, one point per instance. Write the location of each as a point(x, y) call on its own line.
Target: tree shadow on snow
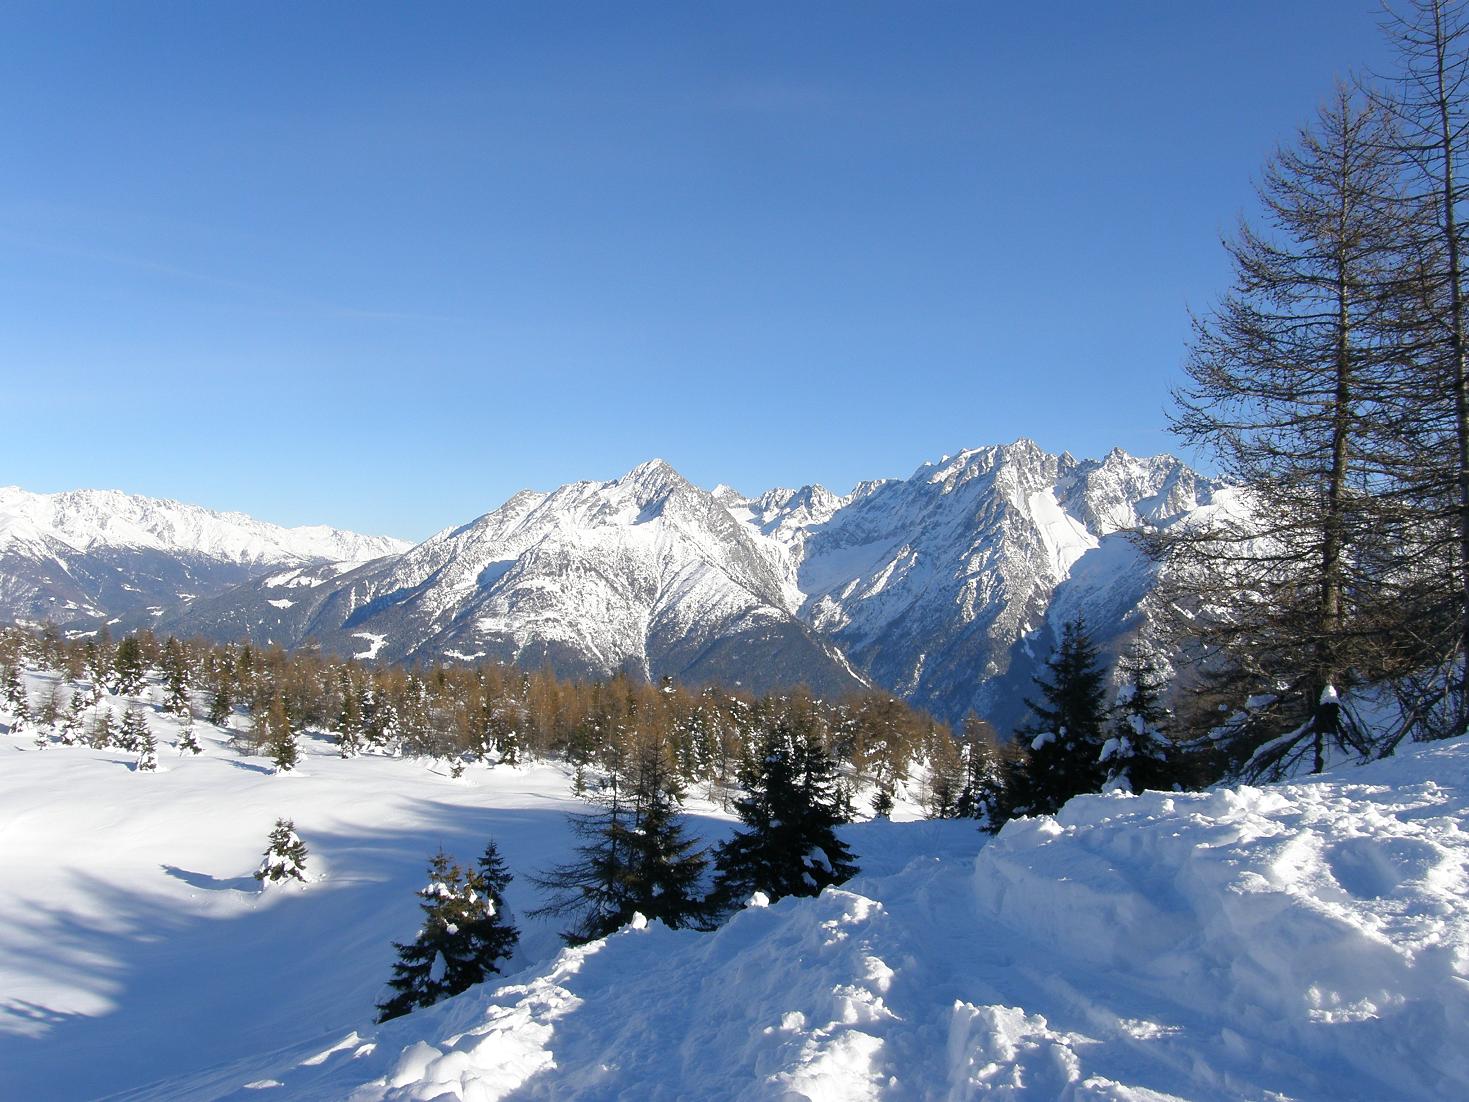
point(205, 882)
point(192, 991)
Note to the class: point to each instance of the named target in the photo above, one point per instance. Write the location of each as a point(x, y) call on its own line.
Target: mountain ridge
point(947, 587)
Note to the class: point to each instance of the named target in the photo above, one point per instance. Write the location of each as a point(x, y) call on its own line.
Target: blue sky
point(381, 265)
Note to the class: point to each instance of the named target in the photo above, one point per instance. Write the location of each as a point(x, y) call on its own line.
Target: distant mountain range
point(947, 588)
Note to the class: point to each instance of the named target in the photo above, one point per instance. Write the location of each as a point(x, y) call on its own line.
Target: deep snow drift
point(1308, 940)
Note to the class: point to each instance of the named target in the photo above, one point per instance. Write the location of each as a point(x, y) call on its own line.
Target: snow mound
point(1300, 941)
point(1323, 922)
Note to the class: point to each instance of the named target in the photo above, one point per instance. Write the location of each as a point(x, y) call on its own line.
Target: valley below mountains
point(947, 588)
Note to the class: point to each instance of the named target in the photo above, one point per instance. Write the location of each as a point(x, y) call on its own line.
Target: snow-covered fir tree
point(103, 732)
point(176, 680)
point(222, 703)
point(507, 742)
point(380, 727)
point(666, 864)
point(53, 708)
point(132, 730)
point(284, 858)
point(348, 724)
point(982, 795)
point(12, 690)
point(98, 661)
point(147, 750)
point(494, 934)
point(790, 811)
point(188, 741)
point(463, 938)
point(70, 730)
point(1063, 742)
point(1138, 755)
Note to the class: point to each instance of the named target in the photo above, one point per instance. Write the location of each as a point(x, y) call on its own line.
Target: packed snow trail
point(1302, 941)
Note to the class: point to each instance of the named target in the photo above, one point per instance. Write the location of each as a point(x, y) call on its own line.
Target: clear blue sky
point(381, 264)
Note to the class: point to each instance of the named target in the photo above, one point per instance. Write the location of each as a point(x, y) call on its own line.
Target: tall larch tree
point(1286, 380)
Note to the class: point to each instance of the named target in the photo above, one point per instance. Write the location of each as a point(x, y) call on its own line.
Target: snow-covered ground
point(134, 943)
point(1306, 941)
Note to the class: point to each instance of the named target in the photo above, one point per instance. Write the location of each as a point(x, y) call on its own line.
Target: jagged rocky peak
point(1018, 467)
point(727, 495)
point(656, 476)
point(807, 505)
point(1122, 491)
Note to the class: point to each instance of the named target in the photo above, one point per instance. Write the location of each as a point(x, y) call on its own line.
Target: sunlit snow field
point(1305, 941)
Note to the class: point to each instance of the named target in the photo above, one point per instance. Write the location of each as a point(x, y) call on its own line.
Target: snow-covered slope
point(949, 587)
point(134, 942)
point(646, 573)
point(104, 554)
point(1305, 941)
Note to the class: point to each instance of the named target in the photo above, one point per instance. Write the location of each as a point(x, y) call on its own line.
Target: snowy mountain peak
point(91, 519)
point(653, 479)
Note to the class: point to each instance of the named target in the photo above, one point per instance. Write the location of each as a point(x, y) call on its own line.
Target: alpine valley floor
point(1302, 941)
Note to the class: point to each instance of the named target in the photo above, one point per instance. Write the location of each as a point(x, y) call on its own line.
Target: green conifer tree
point(71, 722)
point(103, 731)
point(188, 741)
point(147, 750)
point(493, 935)
point(1139, 754)
point(1064, 740)
point(461, 940)
point(281, 743)
point(222, 703)
point(348, 725)
point(790, 811)
point(284, 858)
point(134, 727)
point(128, 667)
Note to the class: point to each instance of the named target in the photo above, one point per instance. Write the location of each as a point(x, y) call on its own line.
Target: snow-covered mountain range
point(86, 555)
point(950, 587)
point(947, 587)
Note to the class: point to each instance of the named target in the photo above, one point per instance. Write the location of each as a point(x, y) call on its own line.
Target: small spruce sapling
point(281, 744)
point(130, 734)
point(882, 803)
point(285, 857)
point(104, 732)
point(188, 742)
point(14, 694)
point(128, 667)
point(71, 723)
point(147, 751)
